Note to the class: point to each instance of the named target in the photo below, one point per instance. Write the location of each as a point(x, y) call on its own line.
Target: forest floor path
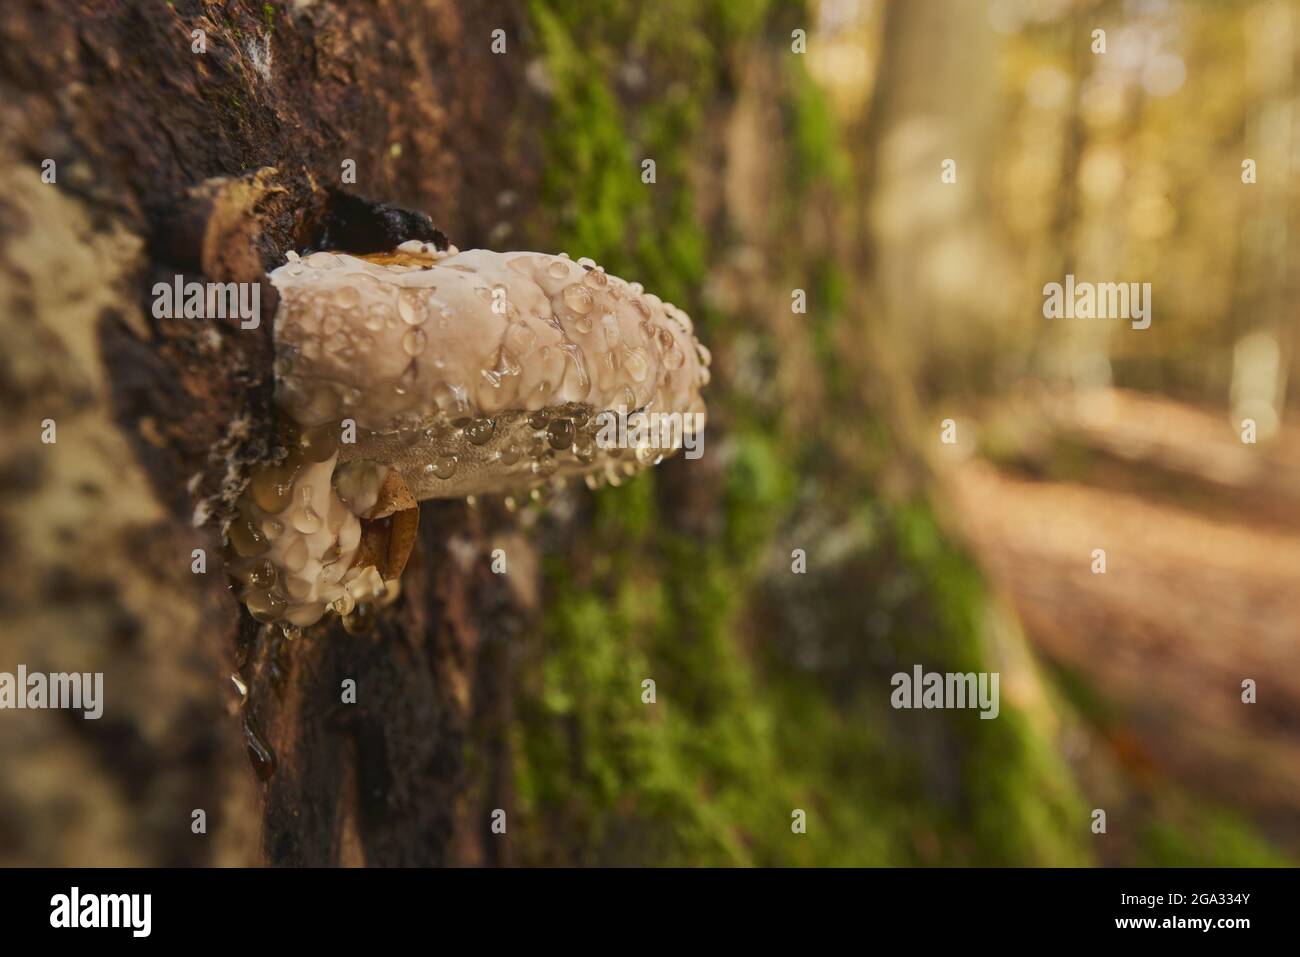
point(1201, 588)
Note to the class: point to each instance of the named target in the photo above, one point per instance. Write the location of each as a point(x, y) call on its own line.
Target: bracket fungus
point(428, 373)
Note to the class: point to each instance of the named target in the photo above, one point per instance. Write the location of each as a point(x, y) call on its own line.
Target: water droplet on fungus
point(411, 306)
point(444, 466)
point(413, 342)
point(264, 605)
point(479, 431)
point(262, 574)
point(246, 538)
point(578, 298)
point(560, 434)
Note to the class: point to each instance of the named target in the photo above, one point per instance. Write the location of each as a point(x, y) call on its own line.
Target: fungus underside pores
point(425, 373)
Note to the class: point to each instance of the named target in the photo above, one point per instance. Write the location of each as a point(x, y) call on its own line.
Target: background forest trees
point(775, 171)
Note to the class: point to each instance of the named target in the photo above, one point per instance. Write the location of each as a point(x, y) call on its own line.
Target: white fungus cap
point(468, 373)
point(477, 372)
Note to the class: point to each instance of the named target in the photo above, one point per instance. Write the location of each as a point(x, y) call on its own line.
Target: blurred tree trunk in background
point(1266, 316)
point(925, 258)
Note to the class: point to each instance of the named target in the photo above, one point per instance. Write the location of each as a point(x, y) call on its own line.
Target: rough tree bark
point(212, 164)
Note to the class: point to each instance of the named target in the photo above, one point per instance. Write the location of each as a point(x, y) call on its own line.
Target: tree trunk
point(211, 163)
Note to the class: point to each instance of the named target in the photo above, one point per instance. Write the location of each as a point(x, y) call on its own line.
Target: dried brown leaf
point(388, 533)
